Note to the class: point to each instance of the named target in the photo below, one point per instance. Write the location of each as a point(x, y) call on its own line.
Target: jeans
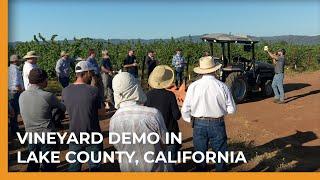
point(277, 86)
point(45, 167)
point(14, 102)
point(107, 85)
point(179, 77)
point(210, 133)
point(64, 81)
point(76, 166)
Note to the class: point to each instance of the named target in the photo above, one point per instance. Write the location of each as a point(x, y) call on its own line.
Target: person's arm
point(186, 107)
point(58, 66)
point(176, 114)
point(173, 61)
point(273, 56)
point(230, 104)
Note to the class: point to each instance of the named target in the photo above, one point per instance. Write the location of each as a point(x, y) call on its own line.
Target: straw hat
point(161, 77)
point(30, 54)
point(64, 53)
point(207, 65)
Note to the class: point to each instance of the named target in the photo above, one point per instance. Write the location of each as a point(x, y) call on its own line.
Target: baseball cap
point(83, 66)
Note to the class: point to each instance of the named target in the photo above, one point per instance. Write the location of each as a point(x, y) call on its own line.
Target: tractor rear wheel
point(238, 86)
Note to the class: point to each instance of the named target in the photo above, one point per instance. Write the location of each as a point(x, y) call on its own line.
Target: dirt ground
point(273, 137)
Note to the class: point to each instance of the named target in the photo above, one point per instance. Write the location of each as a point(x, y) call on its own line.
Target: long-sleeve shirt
point(15, 77)
point(134, 118)
point(178, 61)
point(27, 67)
point(207, 97)
point(63, 68)
point(94, 64)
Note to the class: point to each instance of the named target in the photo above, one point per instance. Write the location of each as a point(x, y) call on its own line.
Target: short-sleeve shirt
point(106, 63)
point(36, 107)
point(27, 67)
point(131, 60)
point(82, 103)
point(279, 67)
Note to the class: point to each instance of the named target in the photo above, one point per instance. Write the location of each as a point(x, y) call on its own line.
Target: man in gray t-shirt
point(277, 83)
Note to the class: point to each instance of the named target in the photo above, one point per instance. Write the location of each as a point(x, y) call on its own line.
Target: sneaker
point(280, 102)
point(276, 100)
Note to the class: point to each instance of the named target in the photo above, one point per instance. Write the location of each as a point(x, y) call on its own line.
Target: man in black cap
point(39, 111)
point(277, 82)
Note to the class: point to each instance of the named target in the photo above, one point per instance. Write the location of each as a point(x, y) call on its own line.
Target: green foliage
point(299, 57)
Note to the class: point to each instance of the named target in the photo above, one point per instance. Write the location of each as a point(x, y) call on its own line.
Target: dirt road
point(274, 137)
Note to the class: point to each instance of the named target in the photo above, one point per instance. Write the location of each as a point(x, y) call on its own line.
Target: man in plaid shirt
point(178, 62)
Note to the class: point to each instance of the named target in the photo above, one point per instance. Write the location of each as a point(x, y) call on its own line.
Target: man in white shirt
point(207, 101)
point(31, 62)
point(15, 85)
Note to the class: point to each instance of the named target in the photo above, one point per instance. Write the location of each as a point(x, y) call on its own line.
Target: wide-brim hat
point(64, 53)
point(30, 54)
point(161, 77)
point(207, 65)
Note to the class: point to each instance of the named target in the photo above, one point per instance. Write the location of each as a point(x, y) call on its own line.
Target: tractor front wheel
point(238, 86)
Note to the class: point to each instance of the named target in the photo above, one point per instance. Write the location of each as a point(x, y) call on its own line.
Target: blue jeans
point(179, 76)
point(76, 167)
point(45, 167)
point(210, 133)
point(173, 149)
point(277, 86)
point(64, 81)
point(14, 126)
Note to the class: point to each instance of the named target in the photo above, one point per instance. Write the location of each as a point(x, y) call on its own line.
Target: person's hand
point(135, 64)
point(266, 48)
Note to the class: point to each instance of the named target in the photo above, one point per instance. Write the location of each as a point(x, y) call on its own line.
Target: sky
point(124, 19)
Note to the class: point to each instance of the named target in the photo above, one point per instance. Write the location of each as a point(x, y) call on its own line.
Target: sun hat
point(14, 58)
point(207, 65)
point(83, 66)
point(37, 76)
point(127, 88)
point(30, 54)
point(161, 77)
point(64, 53)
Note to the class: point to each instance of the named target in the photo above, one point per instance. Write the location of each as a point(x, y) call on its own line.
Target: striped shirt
point(134, 118)
point(15, 77)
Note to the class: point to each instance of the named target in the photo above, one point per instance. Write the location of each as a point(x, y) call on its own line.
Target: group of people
point(207, 102)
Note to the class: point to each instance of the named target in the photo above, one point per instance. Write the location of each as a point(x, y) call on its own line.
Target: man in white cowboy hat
point(30, 63)
point(15, 85)
point(133, 117)
point(165, 101)
point(207, 101)
point(63, 69)
point(82, 102)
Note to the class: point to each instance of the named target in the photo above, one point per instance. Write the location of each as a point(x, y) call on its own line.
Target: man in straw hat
point(15, 85)
point(165, 101)
point(40, 112)
point(133, 117)
point(207, 101)
point(63, 69)
point(30, 63)
point(82, 102)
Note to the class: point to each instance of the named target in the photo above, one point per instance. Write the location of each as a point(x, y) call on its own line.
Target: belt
point(208, 118)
